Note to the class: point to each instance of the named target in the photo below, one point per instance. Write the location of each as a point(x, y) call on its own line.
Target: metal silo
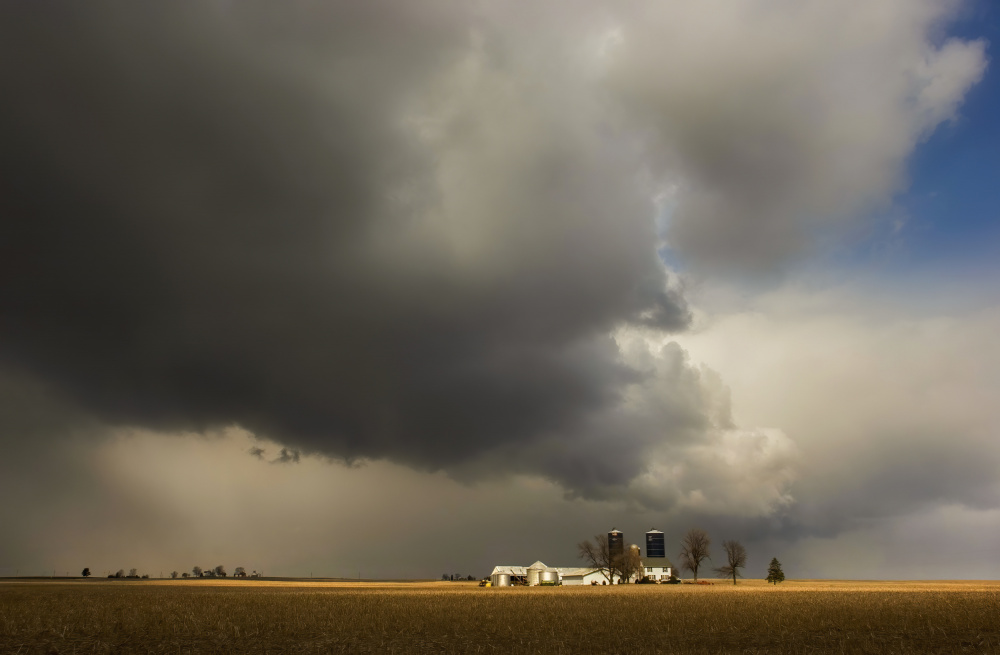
point(616, 543)
point(535, 573)
point(500, 580)
point(548, 577)
point(654, 544)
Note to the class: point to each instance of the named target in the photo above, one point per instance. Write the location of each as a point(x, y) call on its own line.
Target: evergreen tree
point(774, 572)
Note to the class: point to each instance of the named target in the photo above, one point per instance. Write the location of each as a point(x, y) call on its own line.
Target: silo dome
point(535, 573)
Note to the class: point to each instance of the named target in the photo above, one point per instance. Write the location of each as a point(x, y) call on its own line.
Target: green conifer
point(774, 572)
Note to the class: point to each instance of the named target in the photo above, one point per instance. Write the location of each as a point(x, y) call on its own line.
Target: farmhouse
point(657, 568)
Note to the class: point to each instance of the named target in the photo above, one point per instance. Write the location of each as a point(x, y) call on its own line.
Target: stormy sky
point(402, 288)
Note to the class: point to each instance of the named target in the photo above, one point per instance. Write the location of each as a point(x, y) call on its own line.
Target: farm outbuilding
point(505, 576)
point(539, 573)
point(581, 576)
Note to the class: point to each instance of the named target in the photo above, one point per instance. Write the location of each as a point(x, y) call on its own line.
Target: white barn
point(581, 576)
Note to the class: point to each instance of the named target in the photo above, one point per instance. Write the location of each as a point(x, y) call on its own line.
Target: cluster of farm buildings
point(655, 566)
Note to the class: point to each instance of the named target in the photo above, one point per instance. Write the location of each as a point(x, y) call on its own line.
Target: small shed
point(581, 576)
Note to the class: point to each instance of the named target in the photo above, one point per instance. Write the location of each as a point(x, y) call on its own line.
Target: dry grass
point(99, 616)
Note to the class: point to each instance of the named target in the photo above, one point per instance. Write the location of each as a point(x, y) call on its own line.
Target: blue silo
point(616, 542)
point(654, 544)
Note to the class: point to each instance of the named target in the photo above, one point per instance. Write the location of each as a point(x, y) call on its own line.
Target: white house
point(657, 568)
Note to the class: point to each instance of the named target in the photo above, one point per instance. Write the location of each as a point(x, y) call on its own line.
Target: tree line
point(196, 572)
point(626, 564)
point(120, 573)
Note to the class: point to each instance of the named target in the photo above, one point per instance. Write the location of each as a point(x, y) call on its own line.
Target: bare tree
point(220, 571)
point(174, 574)
point(197, 571)
point(597, 554)
point(120, 573)
point(630, 565)
point(736, 558)
point(240, 572)
point(133, 573)
point(185, 575)
point(694, 550)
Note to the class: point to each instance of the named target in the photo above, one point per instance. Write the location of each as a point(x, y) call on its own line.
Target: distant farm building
point(540, 574)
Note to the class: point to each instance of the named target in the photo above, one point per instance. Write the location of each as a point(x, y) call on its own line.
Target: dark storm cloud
point(419, 232)
point(316, 223)
point(287, 456)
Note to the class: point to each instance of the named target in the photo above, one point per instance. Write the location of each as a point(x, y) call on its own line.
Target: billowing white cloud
point(779, 121)
point(890, 405)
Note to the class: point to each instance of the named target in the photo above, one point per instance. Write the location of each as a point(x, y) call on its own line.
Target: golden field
point(238, 616)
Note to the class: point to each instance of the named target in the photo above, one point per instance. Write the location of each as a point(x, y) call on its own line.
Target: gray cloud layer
point(321, 226)
point(411, 232)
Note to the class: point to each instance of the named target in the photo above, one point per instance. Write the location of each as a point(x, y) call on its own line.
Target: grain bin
point(535, 573)
point(500, 580)
point(548, 577)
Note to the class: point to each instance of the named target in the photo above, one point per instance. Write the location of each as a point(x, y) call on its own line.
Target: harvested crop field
point(99, 616)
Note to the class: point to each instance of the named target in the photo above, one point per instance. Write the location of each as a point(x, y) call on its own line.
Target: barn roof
point(510, 570)
point(523, 570)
